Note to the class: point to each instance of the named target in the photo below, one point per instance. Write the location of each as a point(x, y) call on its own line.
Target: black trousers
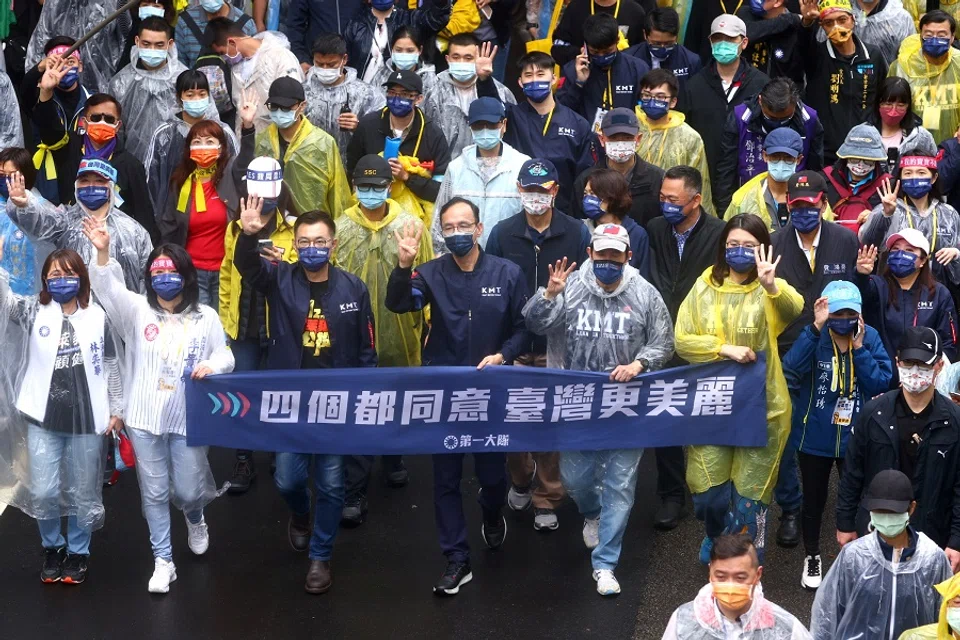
point(356, 472)
point(671, 474)
point(815, 476)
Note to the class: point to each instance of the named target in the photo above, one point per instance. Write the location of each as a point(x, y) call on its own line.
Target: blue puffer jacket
point(808, 368)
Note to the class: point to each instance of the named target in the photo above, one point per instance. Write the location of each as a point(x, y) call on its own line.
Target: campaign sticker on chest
point(866, 69)
point(598, 118)
point(843, 412)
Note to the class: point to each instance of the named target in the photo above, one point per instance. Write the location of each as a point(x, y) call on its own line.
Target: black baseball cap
point(405, 78)
point(372, 170)
point(285, 92)
point(620, 120)
point(920, 344)
point(806, 186)
point(890, 490)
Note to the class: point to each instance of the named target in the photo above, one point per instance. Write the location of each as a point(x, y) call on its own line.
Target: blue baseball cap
point(783, 140)
point(100, 167)
point(538, 173)
point(486, 110)
point(842, 294)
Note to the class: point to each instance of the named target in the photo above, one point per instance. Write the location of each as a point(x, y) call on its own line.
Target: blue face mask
point(167, 286)
point(917, 187)
point(591, 207)
point(459, 244)
point(150, 12)
point(371, 197)
point(314, 258)
point(769, 124)
point(381, 5)
point(463, 71)
point(399, 107)
point(902, 263)
point(63, 289)
point(781, 170)
point(283, 118)
point(655, 109)
point(740, 259)
point(486, 139)
point(538, 90)
point(196, 108)
point(269, 205)
point(607, 271)
point(604, 61)
point(152, 57)
point(936, 47)
point(69, 79)
point(405, 61)
point(843, 326)
point(673, 213)
point(93, 197)
point(661, 53)
point(4, 191)
point(805, 219)
point(756, 8)
point(211, 6)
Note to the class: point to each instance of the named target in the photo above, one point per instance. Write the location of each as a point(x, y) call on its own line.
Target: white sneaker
point(164, 572)
point(591, 533)
point(607, 584)
point(198, 537)
point(812, 572)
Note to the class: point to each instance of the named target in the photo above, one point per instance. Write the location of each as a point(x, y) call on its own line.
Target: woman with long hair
point(203, 200)
point(893, 116)
point(172, 337)
point(69, 396)
point(736, 310)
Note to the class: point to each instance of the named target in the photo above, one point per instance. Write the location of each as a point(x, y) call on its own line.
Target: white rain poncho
point(75, 18)
point(884, 29)
point(864, 595)
point(63, 228)
point(589, 329)
point(273, 60)
point(11, 129)
point(702, 620)
point(325, 104)
point(148, 97)
point(166, 150)
point(59, 386)
point(447, 105)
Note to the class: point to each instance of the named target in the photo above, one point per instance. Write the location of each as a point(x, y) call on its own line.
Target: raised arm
point(37, 218)
point(106, 280)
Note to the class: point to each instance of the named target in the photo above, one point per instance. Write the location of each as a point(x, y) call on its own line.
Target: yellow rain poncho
point(935, 87)
point(368, 250)
point(749, 199)
point(917, 8)
point(407, 199)
point(742, 315)
point(948, 589)
point(311, 168)
point(674, 143)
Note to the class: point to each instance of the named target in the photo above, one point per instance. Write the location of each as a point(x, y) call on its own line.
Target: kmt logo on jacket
point(490, 292)
point(349, 306)
point(232, 403)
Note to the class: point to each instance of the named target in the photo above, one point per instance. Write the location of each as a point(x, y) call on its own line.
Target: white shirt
point(811, 253)
point(732, 630)
point(376, 62)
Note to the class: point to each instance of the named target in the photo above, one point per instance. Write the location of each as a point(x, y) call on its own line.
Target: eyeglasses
point(276, 107)
point(646, 95)
point(899, 106)
point(409, 95)
point(102, 117)
point(463, 227)
point(320, 243)
point(745, 245)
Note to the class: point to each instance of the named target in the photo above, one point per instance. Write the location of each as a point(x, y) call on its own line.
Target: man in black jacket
point(683, 243)
point(538, 236)
point(661, 50)
point(568, 36)
point(813, 253)
point(915, 430)
point(773, 35)
point(711, 95)
point(422, 139)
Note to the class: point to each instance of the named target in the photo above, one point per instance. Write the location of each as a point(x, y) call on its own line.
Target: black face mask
point(769, 124)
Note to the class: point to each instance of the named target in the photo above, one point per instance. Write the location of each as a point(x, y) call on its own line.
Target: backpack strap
point(193, 26)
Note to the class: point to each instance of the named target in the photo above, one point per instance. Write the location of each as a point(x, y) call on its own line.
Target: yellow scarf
point(196, 178)
point(44, 158)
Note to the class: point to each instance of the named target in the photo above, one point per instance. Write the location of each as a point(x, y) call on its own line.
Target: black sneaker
point(494, 532)
point(52, 570)
point(454, 576)
point(354, 511)
point(244, 473)
point(397, 475)
point(75, 569)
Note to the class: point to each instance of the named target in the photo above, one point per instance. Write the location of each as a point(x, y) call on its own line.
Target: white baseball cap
point(264, 177)
point(728, 25)
point(610, 236)
point(913, 236)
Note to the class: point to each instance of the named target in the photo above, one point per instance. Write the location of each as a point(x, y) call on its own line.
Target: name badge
point(843, 412)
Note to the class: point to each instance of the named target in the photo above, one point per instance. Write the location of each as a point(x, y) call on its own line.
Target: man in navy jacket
point(476, 307)
point(661, 50)
point(307, 19)
point(320, 318)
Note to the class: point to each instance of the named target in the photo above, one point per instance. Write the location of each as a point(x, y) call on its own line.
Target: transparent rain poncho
point(63, 229)
point(368, 250)
point(447, 105)
point(742, 315)
point(148, 97)
point(75, 18)
point(60, 383)
point(701, 620)
point(672, 144)
point(11, 128)
point(864, 595)
point(616, 338)
point(326, 103)
point(932, 87)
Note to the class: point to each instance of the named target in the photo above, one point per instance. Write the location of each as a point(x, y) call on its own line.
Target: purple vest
point(750, 150)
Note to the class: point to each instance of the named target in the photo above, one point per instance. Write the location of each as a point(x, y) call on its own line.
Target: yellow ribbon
point(44, 158)
point(196, 178)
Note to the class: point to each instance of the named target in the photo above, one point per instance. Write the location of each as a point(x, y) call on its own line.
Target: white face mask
point(860, 168)
point(621, 152)
point(327, 76)
point(536, 204)
point(916, 379)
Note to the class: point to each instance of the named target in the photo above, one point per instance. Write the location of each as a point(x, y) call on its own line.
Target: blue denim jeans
point(69, 465)
point(787, 493)
point(209, 282)
point(162, 459)
point(293, 472)
point(603, 484)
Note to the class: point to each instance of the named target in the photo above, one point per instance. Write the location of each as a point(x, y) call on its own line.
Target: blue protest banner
point(462, 410)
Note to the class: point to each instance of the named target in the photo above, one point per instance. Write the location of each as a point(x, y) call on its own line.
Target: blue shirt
point(188, 45)
point(19, 257)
